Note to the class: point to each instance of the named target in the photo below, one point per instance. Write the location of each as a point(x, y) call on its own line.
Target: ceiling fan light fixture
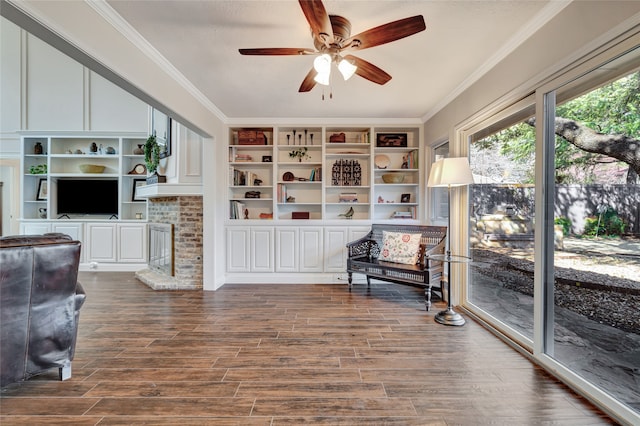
point(323, 77)
point(322, 64)
point(347, 69)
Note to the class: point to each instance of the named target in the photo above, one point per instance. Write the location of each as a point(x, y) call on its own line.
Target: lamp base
point(449, 317)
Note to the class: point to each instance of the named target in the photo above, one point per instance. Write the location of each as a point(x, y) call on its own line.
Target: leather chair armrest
point(80, 296)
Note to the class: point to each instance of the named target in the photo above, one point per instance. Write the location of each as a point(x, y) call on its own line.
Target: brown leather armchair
point(40, 301)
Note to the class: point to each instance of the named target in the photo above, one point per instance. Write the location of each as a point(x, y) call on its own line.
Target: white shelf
point(320, 197)
point(61, 164)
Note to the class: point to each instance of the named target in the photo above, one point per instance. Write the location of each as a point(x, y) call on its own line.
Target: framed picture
point(405, 198)
point(43, 190)
point(266, 159)
point(134, 191)
point(161, 125)
point(391, 139)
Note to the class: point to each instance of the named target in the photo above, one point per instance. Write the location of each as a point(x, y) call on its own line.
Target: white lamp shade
point(322, 64)
point(347, 69)
point(322, 78)
point(450, 172)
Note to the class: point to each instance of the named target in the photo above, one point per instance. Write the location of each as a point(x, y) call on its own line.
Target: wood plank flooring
point(285, 355)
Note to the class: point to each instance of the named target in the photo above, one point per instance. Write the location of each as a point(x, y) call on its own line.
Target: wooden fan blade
point(318, 19)
point(277, 51)
point(387, 33)
point(368, 70)
point(308, 83)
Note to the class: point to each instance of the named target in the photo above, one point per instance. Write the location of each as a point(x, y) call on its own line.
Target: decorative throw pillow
point(400, 247)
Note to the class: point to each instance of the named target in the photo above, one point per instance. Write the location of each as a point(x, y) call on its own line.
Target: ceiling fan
point(332, 37)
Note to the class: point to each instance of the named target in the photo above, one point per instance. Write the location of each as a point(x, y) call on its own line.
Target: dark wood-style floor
point(285, 354)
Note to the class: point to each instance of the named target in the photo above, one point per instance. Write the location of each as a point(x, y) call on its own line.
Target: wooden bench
point(363, 258)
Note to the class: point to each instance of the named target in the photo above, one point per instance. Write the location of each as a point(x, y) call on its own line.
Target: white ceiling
point(201, 39)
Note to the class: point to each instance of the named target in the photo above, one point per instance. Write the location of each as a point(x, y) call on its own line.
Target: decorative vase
point(138, 150)
point(37, 149)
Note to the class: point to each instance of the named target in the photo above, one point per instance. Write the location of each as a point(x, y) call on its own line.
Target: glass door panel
point(501, 224)
point(596, 262)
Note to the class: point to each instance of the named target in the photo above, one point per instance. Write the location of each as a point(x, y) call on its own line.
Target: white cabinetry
point(132, 242)
point(121, 243)
point(311, 249)
point(106, 245)
point(34, 228)
point(250, 249)
point(319, 187)
point(335, 246)
point(101, 242)
point(238, 253)
point(74, 229)
point(298, 249)
point(287, 249)
point(335, 259)
point(262, 256)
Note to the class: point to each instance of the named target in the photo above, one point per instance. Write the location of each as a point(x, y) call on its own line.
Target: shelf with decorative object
point(250, 180)
point(57, 165)
point(328, 173)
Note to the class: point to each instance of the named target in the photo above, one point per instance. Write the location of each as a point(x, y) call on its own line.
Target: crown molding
point(123, 27)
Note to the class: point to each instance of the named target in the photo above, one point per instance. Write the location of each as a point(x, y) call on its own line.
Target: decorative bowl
point(381, 161)
point(91, 168)
point(393, 178)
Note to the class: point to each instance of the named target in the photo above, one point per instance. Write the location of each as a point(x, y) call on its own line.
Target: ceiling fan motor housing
point(341, 28)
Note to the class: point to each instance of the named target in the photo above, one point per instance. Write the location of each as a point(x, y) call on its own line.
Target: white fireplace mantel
point(159, 190)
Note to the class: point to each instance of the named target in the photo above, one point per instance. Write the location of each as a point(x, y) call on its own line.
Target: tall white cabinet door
point(238, 249)
point(311, 249)
point(287, 253)
point(335, 250)
point(262, 249)
point(101, 242)
point(132, 243)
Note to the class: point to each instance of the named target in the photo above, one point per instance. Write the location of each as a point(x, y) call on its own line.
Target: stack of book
point(404, 215)
point(243, 158)
point(237, 210)
point(282, 193)
point(316, 174)
point(348, 197)
point(242, 178)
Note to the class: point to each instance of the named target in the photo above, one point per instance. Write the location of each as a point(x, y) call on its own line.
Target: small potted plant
point(300, 153)
point(152, 160)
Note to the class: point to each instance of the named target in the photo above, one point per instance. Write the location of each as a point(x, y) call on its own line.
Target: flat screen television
point(87, 196)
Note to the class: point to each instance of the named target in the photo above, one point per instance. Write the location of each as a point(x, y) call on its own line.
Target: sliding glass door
point(593, 275)
point(554, 228)
point(502, 157)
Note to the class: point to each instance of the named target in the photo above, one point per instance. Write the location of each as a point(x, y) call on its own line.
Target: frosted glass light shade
point(322, 78)
point(322, 64)
point(450, 172)
point(347, 69)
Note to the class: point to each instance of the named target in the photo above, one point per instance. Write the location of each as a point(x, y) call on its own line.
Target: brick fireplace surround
point(185, 213)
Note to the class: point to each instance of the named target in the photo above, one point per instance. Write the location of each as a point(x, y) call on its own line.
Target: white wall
point(577, 29)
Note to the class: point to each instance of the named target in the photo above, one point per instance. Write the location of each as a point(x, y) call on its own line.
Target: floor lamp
point(448, 172)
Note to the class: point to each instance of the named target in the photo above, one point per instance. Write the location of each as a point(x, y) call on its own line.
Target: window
point(554, 225)
point(593, 276)
point(501, 228)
